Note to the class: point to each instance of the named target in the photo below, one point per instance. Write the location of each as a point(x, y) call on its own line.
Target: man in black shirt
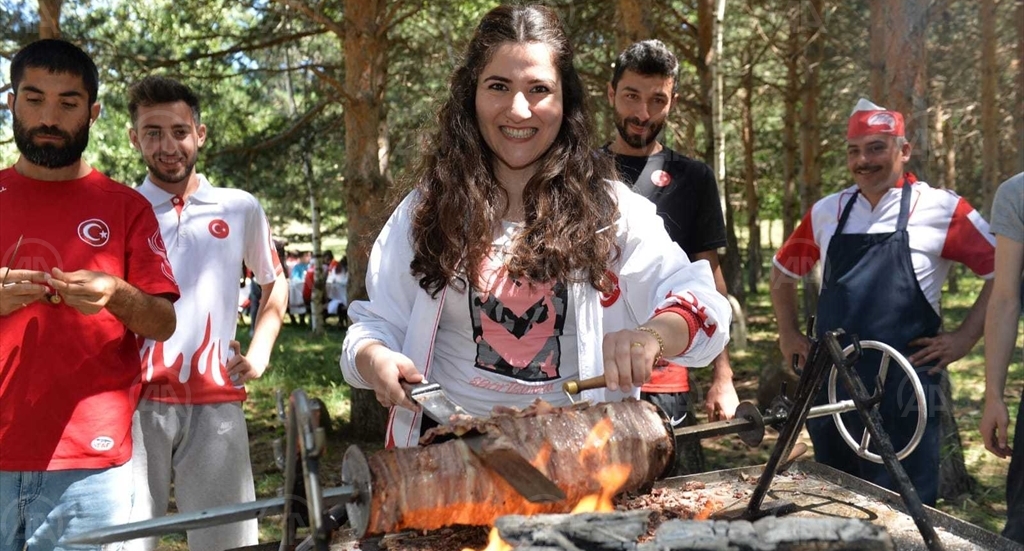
point(642, 92)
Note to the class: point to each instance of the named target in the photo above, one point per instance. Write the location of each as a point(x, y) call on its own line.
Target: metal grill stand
point(821, 358)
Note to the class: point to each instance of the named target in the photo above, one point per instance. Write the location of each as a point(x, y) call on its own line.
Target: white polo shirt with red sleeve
point(208, 239)
point(943, 228)
point(69, 382)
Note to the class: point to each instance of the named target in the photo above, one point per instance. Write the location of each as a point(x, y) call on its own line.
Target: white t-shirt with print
point(510, 342)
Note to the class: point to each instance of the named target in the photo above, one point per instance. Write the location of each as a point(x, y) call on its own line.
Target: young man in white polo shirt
point(190, 426)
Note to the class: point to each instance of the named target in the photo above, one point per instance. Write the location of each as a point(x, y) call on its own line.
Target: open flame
point(494, 542)
point(611, 478)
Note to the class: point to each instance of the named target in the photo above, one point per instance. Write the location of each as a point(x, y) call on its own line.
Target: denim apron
point(869, 289)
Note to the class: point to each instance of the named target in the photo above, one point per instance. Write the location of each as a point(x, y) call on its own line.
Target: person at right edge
point(641, 94)
point(1004, 311)
point(889, 242)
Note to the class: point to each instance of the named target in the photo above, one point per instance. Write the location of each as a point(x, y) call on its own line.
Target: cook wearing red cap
point(889, 242)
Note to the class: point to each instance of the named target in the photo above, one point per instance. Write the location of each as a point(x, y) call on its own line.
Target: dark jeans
point(1014, 529)
point(678, 407)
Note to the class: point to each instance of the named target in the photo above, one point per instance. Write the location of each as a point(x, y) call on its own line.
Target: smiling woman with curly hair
point(518, 262)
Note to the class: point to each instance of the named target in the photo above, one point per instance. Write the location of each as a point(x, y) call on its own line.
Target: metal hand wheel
point(888, 354)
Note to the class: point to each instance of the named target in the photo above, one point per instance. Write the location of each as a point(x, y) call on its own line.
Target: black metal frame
point(823, 356)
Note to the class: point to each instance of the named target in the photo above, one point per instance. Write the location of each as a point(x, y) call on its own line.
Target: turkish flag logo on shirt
point(607, 299)
point(219, 229)
point(661, 178)
point(94, 232)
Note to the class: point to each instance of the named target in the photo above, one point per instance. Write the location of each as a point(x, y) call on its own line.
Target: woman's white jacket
point(652, 273)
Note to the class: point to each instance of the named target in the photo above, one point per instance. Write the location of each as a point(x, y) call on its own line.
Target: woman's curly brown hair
point(569, 207)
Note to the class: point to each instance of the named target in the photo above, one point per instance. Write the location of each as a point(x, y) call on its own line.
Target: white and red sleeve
point(800, 252)
point(148, 269)
point(260, 252)
point(969, 241)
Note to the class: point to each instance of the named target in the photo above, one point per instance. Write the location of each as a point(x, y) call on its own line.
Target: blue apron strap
point(846, 212)
point(901, 223)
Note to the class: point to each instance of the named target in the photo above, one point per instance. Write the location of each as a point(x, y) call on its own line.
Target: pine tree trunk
point(750, 176)
point(790, 201)
point(1018, 109)
point(633, 22)
point(989, 105)
point(316, 316)
point(954, 480)
point(906, 65)
point(810, 140)
point(366, 65)
point(877, 48)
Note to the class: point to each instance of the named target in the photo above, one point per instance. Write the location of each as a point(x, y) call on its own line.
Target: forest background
point(317, 107)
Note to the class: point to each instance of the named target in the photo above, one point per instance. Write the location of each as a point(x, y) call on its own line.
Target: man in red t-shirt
point(83, 276)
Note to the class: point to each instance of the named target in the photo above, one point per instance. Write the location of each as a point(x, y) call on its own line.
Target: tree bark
point(877, 42)
point(634, 22)
point(316, 316)
point(790, 201)
point(49, 18)
point(939, 146)
point(954, 480)
point(705, 57)
point(989, 105)
point(750, 177)
point(365, 44)
point(810, 135)
point(906, 65)
point(1018, 111)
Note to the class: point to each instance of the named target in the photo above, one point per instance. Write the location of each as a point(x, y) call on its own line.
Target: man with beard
point(888, 243)
point(190, 426)
point(83, 272)
point(641, 93)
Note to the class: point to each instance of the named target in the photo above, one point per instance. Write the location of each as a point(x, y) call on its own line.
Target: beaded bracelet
point(661, 342)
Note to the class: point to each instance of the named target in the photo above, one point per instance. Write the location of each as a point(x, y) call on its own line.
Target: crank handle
point(575, 387)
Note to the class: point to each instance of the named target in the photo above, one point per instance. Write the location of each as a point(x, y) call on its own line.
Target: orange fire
point(611, 478)
point(494, 542)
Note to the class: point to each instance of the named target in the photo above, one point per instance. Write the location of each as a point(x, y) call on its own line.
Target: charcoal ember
point(454, 538)
point(690, 501)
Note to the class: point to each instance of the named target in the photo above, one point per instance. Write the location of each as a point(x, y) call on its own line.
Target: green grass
point(302, 361)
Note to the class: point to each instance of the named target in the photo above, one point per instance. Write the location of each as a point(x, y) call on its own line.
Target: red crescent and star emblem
point(94, 232)
point(219, 229)
point(661, 178)
point(607, 299)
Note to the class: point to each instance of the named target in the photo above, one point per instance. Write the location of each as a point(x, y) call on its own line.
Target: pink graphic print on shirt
point(516, 325)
